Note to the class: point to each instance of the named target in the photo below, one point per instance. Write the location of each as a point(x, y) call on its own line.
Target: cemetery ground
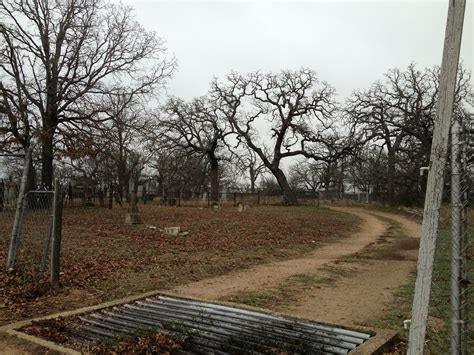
point(347, 265)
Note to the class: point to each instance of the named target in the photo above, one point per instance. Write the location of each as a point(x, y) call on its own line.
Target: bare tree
point(178, 171)
point(16, 127)
point(366, 171)
point(400, 113)
point(298, 110)
point(198, 128)
point(307, 175)
point(124, 132)
point(248, 162)
point(63, 54)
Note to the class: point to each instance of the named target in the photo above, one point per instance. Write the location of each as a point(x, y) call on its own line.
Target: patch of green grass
point(255, 299)
point(391, 245)
point(438, 341)
point(284, 294)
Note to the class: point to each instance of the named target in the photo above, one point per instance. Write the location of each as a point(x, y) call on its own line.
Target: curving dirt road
point(268, 275)
point(361, 294)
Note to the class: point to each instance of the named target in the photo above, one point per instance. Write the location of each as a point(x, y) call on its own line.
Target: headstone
point(173, 231)
point(133, 216)
point(10, 194)
point(240, 207)
point(215, 206)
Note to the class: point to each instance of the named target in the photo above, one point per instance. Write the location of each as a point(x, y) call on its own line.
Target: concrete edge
point(44, 343)
point(377, 344)
point(380, 339)
point(17, 325)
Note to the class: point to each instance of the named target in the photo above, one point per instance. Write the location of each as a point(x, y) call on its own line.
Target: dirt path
point(368, 291)
point(411, 228)
point(269, 275)
point(357, 299)
point(352, 299)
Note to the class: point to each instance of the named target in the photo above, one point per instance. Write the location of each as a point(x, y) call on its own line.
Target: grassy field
point(103, 258)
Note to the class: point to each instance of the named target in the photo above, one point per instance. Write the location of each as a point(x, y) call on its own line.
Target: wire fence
point(448, 327)
point(31, 254)
point(27, 223)
point(109, 198)
point(231, 198)
point(8, 199)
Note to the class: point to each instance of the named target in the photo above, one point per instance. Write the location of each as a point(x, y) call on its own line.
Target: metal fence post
point(20, 205)
point(464, 292)
point(57, 229)
point(455, 235)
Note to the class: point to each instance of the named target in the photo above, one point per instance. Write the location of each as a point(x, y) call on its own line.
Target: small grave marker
point(133, 216)
point(173, 231)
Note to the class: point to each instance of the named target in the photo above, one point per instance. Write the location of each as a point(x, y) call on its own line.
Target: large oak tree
point(398, 115)
point(63, 54)
point(297, 110)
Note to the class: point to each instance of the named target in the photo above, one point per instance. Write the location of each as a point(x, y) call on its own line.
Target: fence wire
point(448, 327)
point(461, 342)
point(466, 341)
point(9, 187)
point(28, 250)
point(32, 251)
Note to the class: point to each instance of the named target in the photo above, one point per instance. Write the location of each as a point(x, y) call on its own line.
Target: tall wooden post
point(435, 184)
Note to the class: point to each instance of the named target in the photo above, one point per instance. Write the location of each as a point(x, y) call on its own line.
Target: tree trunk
point(252, 180)
point(120, 185)
point(289, 195)
point(341, 182)
point(47, 157)
point(126, 191)
point(31, 181)
point(391, 179)
point(214, 176)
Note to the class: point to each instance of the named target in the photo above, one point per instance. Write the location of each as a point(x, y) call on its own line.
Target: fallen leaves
point(106, 259)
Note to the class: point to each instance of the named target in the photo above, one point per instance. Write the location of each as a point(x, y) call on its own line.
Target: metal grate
point(220, 329)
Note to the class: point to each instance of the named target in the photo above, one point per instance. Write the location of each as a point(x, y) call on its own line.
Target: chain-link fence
point(460, 251)
point(448, 327)
point(31, 253)
point(30, 222)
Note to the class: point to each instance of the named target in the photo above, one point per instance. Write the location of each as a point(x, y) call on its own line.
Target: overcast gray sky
point(350, 44)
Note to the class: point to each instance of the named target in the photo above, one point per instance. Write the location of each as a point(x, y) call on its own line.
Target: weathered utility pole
point(435, 184)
